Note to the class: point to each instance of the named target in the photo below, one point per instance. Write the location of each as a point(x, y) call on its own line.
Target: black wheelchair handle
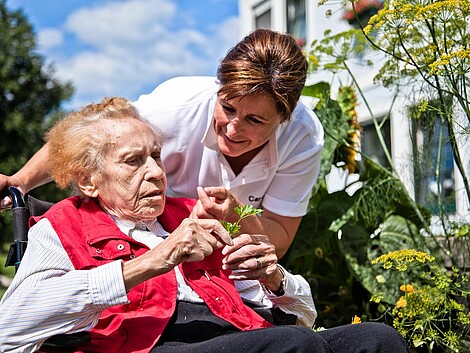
point(17, 197)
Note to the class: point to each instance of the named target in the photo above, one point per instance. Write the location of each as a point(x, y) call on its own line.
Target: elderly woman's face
point(132, 183)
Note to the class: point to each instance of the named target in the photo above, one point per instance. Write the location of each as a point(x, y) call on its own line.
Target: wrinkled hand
point(256, 257)
point(5, 182)
point(216, 202)
point(192, 241)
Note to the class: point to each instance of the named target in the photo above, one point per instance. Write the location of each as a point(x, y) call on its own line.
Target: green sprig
point(243, 212)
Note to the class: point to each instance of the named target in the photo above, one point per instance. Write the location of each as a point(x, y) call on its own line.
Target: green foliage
point(381, 195)
point(28, 91)
point(425, 47)
point(393, 234)
point(333, 51)
point(340, 235)
point(335, 123)
point(426, 309)
point(423, 39)
point(30, 99)
point(242, 211)
point(316, 253)
point(343, 232)
point(426, 44)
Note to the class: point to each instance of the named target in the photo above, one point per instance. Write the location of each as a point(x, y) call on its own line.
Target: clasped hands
point(253, 254)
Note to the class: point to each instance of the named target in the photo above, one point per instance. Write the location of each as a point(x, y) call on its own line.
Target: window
point(297, 20)
point(432, 152)
point(370, 143)
point(263, 15)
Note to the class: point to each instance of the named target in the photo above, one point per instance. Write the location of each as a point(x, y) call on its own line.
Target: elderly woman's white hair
point(78, 143)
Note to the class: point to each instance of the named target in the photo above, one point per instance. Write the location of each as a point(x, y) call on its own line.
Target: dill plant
point(429, 313)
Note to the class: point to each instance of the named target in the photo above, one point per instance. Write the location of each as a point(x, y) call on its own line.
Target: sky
point(127, 47)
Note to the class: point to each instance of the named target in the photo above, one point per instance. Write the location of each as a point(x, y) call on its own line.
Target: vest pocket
point(110, 249)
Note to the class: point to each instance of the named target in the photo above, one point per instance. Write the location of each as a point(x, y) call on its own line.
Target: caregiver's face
point(245, 124)
point(132, 183)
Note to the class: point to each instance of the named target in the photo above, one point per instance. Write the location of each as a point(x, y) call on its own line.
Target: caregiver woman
point(243, 137)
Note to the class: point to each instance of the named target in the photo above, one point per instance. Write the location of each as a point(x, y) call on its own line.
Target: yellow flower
point(407, 288)
point(400, 258)
point(401, 303)
point(356, 320)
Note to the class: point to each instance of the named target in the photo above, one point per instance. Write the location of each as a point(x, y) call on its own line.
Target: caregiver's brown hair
point(265, 62)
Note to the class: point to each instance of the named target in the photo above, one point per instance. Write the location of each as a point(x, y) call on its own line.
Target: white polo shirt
point(279, 178)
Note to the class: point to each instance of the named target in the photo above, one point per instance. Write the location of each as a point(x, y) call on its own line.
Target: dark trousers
point(215, 335)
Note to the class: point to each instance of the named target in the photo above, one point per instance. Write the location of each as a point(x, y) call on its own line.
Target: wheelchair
point(20, 215)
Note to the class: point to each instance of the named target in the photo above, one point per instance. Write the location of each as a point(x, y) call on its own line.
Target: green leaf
point(243, 212)
point(247, 211)
point(335, 124)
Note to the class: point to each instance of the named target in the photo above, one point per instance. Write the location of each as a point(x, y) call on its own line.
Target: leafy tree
point(30, 99)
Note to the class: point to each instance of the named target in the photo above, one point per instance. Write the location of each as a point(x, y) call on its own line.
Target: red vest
point(92, 239)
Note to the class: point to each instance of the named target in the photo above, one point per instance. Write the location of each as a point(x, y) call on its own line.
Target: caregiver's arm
point(33, 174)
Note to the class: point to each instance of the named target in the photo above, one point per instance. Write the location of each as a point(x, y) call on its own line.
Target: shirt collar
point(210, 137)
point(153, 226)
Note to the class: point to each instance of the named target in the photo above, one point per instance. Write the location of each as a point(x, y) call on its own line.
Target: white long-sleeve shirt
point(48, 296)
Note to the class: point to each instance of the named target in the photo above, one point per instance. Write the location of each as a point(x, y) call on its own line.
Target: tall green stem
point(374, 120)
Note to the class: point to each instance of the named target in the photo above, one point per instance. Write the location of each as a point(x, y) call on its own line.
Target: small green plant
point(243, 212)
point(429, 311)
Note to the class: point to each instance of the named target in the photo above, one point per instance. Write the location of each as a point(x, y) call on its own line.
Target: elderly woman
point(123, 263)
